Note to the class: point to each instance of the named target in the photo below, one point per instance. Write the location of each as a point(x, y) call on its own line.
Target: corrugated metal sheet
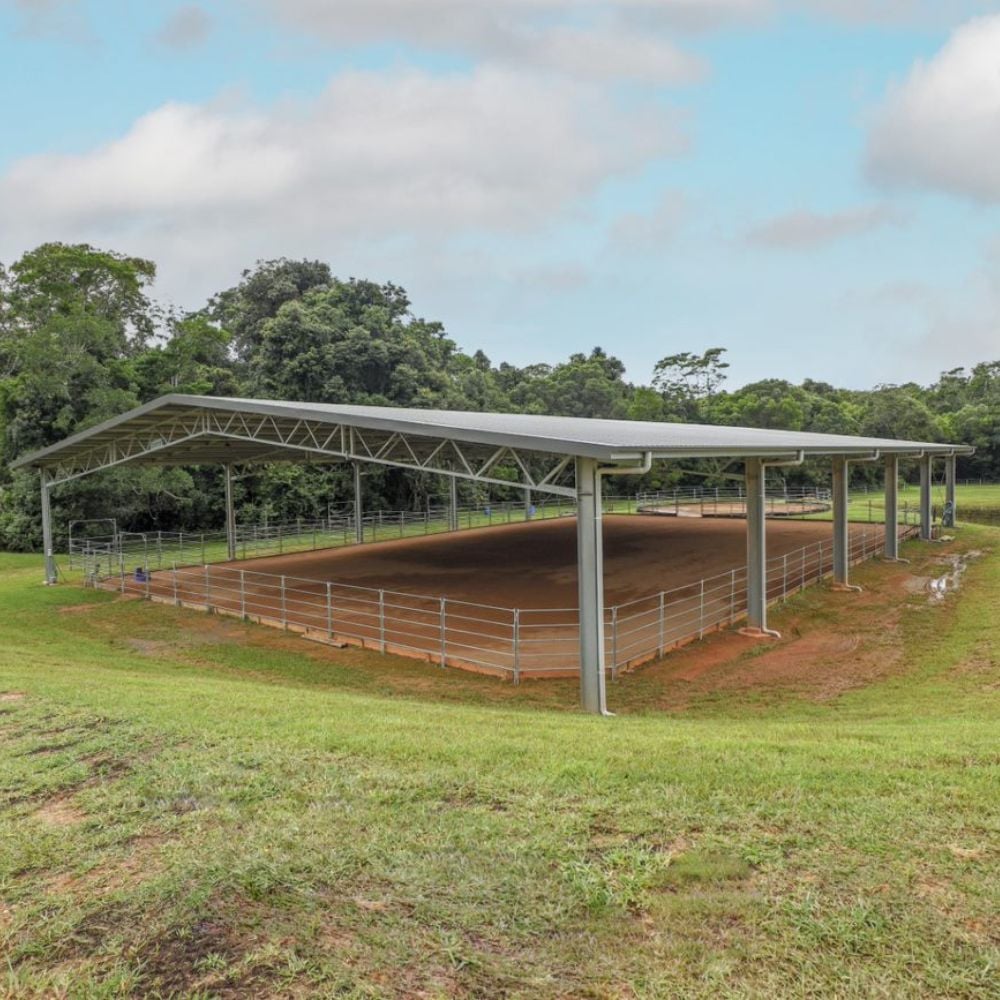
point(609, 440)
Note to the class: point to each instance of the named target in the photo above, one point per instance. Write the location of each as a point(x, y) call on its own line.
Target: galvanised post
point(784, 577)
point(230, 515)
point(243, 595)
point(949, 485)
point(284, 608)
point(841, 553)
point(663, 624)
point(590, 583)
point(329, 611)
point(756, 546)
point(381, 620)
point(176, 601)
point(208, 591)
point(701, 610)
point(444, 641)
point(453, 503)
point(614, 642)
point(516, 635)
point(51, 574)
point(892, 507)
point(926, 526)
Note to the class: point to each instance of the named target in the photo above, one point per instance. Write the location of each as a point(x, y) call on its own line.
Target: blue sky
point(811, 184)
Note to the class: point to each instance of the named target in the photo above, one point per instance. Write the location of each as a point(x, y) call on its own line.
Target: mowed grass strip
point(190, 806)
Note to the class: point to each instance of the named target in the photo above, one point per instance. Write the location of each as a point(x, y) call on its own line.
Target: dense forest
point(81, 340)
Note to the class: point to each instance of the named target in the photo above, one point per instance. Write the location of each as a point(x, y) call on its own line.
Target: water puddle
point(940, 586)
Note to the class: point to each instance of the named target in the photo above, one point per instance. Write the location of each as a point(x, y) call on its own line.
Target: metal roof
point(607, 440)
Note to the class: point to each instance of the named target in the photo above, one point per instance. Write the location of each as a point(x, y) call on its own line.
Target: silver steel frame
point(227, 434)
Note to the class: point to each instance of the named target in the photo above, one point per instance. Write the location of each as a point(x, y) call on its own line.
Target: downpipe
point(853, 588)
point(800, 457)
point(620, 470)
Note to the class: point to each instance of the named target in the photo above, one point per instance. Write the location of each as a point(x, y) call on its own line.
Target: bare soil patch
point(60, 811)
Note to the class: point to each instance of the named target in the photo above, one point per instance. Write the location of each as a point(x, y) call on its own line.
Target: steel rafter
point(319, 440)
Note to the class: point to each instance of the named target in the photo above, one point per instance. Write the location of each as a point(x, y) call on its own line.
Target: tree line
point(82, 340)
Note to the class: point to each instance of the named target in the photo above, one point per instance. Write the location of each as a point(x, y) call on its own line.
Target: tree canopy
point(82, 340)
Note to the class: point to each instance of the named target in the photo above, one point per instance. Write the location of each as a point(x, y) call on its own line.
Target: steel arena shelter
point(350, 597)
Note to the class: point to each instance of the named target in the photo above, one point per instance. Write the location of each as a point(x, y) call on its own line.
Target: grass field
point(196, 807)
point(978, 504)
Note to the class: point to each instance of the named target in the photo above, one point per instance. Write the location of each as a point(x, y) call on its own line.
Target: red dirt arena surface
point(334, 594)
point(534, 565)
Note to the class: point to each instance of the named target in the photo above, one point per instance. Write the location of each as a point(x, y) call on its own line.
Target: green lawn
point(196, 807)
point(979, 504)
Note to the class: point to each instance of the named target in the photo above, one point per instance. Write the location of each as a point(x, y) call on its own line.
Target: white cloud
point(185, 28)
point(587, 39)
point(612, 55)
point(404, 156)
point(930, 13)
point(803, 229)
point(940, 127)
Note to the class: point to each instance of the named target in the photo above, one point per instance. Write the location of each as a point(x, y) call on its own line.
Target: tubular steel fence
point(513, 642)
point(103, 554)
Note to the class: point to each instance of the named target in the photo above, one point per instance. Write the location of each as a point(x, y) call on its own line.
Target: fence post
point(444, 641)
point(284, 607)
point(803, 587)
point(663, 624)
point(732, 596)
point(149, 577)
point(177, 602)
point(243, 595)
point(701, 609)
point(203, 548)
point(784, 577)
point(614, 642)
point(281, 543)
point(517, 641)
point(208, 589)
point(381, 619)
point(329, 611)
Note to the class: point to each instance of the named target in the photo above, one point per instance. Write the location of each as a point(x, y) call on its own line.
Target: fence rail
point(105, 554)
point(513, 642)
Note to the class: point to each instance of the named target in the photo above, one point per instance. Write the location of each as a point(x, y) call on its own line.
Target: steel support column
point(359, 525)
point(841, 535)
point(756, 546)
point(926, 525)
point(452, 503)
point(230, 515)
point(892, 507)
point(949, 486)
point(590, 574)
point(527, 505)
point(51, 574)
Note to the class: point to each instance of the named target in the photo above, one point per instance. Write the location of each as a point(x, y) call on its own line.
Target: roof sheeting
point(607, 440)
